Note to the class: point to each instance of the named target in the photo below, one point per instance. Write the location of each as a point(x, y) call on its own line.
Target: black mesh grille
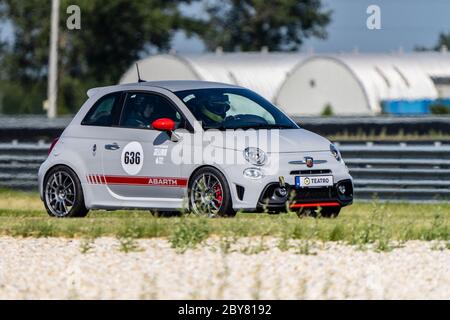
point(314, 193)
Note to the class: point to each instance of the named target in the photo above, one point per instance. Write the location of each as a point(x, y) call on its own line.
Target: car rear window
point(103, 112)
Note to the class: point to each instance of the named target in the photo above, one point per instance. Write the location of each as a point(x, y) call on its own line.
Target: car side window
point(103, 111)
point(141, 109)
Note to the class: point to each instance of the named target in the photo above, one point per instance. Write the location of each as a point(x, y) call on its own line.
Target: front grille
point(315, 171)
point(308, 194)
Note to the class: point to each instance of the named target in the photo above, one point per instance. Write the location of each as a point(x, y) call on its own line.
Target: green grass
point(361, 224)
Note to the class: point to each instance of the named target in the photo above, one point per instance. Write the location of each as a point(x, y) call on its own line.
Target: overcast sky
point(404, 23)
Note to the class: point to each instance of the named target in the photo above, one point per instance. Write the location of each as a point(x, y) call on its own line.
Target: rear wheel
point(209, 194)
point(63, 195)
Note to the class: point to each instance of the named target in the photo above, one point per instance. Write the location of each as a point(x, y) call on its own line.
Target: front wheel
point(209, 194)
point(63, 195)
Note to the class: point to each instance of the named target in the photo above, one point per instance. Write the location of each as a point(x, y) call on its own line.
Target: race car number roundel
point(132, 158)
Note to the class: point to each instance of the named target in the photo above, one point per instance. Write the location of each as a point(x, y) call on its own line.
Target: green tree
point(250, 25)
point(327, 110)
point(113, 34)
point(439, 108)
point(443, 41)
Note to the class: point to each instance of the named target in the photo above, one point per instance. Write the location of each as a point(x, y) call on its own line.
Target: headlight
point(335, 152)
point(255, 156)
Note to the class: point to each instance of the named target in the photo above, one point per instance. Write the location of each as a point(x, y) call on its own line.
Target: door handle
point(113, 146)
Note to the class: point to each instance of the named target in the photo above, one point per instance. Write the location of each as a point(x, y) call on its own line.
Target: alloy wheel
point(206, 195)
point(60, 193)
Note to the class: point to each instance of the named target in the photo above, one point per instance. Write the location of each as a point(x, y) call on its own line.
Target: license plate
point(313, 181)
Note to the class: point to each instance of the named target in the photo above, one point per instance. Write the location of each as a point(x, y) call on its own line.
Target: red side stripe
point(151, 181)
point(148, 181)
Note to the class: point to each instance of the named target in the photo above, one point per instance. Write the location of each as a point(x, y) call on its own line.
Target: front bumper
point(270, 198)
point(248, 194)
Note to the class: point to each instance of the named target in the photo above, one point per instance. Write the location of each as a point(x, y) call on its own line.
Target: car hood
point(284, 140)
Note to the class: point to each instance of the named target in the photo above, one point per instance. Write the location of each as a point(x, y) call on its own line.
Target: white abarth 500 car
point(209, 148)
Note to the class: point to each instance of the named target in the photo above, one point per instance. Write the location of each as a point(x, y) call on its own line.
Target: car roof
point(171, 85)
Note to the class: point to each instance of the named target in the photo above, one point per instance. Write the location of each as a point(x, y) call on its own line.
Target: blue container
point(417, 107)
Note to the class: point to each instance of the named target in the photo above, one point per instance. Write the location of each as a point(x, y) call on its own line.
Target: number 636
point(131, 157)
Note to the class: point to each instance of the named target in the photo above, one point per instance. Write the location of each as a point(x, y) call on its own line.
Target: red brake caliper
point(218, 191)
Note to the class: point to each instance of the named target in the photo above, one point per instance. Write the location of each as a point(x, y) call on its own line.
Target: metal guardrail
point(389, 171)
point(34, 128)
point(399, 171)
point(19, 164)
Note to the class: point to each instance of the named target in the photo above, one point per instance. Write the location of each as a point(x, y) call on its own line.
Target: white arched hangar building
point(366, 83)
point(261, 72)
point(302, 84)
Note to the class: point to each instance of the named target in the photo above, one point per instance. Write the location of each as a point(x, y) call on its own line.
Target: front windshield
point(233, 108)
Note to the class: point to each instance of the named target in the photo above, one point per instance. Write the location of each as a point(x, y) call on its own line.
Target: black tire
point(226, 204)
point(61, 184)
point(330, 212)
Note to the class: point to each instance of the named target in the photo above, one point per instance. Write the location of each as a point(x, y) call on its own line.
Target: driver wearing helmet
point(141, 112)
point(213, 110)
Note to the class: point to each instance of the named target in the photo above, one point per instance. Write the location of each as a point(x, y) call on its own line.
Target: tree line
point(115, 33)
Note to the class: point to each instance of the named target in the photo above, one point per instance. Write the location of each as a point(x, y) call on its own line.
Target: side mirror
point(163, 124)
point(166, 125)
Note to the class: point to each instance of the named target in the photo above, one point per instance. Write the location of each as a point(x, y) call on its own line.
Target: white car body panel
point(104, 181)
